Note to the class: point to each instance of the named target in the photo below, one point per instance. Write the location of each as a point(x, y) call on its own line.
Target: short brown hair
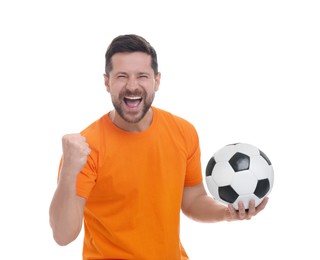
point(130, 43)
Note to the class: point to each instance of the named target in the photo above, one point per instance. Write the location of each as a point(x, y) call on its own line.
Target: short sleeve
point(86, 179)
point(193, 171)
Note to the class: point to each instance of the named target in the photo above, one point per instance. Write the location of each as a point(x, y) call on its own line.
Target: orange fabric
point(133, 183)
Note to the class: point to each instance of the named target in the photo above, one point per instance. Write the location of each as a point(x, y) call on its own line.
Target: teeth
point(133, 98)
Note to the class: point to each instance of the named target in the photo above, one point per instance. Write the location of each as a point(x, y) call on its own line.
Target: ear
point(106, 82)
point(157, 81)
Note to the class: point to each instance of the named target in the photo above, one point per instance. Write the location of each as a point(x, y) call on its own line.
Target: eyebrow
point(144, 73)
point(125, 73)
point(121, 72)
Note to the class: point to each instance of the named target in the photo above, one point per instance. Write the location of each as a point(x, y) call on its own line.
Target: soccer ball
point(239, 172)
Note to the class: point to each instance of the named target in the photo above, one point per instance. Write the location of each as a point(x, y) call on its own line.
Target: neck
point(140, 126)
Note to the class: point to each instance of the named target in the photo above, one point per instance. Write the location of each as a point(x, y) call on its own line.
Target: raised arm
point(66, 209)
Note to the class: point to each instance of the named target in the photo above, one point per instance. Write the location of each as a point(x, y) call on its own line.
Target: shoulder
point(174, 120)
point(94, 133)
point(181, 131)
point(95, 126)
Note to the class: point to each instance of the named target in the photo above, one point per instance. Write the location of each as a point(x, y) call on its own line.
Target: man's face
point(132, 85)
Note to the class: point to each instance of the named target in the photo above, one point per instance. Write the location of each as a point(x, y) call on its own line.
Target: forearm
point(66, 212)
point(205, 209)
point(197, 205)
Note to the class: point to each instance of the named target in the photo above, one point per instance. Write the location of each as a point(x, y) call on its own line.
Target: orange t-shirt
point(133, 183)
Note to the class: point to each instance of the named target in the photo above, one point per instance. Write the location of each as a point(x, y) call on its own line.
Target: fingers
point(75, 152)
point(246, 214)
point(233, 213)
point(76, 141)
point(242, 214)
point(85, 146)
point(251, 209)
point(262, 205)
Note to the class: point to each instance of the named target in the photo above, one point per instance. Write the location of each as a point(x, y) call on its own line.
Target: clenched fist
point(75, 153)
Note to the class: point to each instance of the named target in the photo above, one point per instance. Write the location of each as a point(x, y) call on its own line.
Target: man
point(129, 173)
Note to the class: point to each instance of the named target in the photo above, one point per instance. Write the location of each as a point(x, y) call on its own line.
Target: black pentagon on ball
point(232, 144)
point(240, 162)
point(263, 187)
point(210, 166)
point(228, 194)
point(263, 155)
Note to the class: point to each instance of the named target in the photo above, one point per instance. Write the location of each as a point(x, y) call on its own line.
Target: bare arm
point(197, 205)
point(66, 209)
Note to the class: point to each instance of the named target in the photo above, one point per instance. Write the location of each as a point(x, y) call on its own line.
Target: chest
point(139, 168)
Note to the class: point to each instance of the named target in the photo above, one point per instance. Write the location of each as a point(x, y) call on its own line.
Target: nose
point(132, 84)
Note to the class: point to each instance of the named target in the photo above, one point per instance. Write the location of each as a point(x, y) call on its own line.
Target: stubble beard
point(134, 117)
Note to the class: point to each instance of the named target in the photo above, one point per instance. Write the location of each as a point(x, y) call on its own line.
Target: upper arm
point(190, 194)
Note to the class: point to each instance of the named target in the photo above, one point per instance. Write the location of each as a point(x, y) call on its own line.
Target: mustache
point(128, 93)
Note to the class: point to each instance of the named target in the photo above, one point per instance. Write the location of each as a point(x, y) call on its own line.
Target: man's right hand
point(75, 154)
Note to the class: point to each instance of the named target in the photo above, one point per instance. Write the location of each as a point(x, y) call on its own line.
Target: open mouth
point(132, 102)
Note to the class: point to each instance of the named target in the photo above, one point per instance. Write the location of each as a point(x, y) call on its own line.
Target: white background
point(240, 71)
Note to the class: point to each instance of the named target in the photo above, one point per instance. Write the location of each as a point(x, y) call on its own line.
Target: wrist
point(67, 179)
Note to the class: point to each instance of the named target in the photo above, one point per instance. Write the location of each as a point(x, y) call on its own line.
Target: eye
point(121, 76)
